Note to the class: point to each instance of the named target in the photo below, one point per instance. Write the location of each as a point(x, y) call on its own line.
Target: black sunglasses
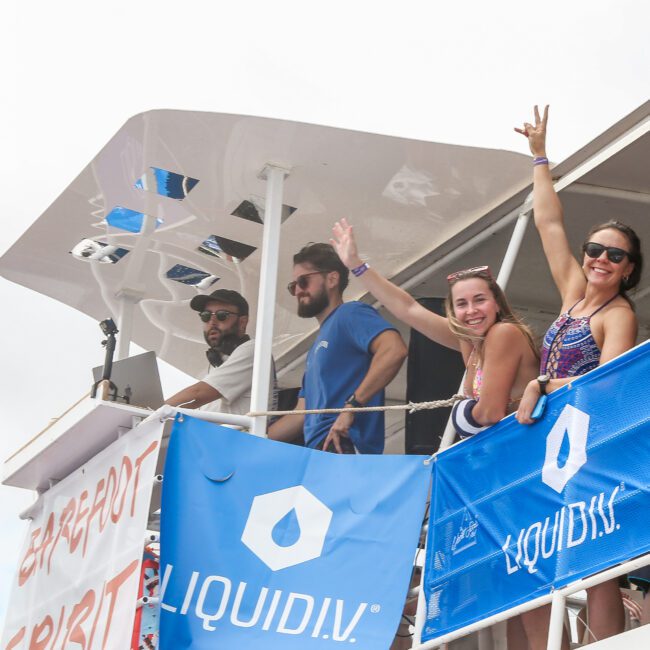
point(301, 281)
point(221, 315)
point(614, 255)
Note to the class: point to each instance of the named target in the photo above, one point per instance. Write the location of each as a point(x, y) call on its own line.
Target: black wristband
point(353, 401)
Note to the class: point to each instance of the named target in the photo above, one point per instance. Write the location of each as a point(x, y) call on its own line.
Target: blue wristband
point(461, 417)
point(360, 270)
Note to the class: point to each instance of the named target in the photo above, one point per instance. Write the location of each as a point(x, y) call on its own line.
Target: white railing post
point(274, 176)
point(556, 624)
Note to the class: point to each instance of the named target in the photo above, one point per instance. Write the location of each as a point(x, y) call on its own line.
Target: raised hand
point(344, 244)
point(536, 133)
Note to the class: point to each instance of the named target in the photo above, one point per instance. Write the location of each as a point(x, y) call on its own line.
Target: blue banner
point(269, 545)
point(519, 510)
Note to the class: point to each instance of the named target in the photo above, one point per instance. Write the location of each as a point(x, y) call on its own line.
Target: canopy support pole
point(132, 289)
point(274, 175)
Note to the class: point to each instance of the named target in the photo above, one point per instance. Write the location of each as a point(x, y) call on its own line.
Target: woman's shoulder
point(619, 309)
point(504, 332)
point(509, 340)
point(506, 338)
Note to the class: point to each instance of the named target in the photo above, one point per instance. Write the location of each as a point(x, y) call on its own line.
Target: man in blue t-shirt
point(355, 355)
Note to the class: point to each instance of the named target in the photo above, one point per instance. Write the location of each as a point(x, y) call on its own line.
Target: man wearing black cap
point(227, 386)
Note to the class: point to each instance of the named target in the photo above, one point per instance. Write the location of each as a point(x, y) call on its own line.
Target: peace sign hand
point(536, 134)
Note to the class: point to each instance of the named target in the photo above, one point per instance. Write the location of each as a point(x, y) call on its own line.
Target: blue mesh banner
point(519, 510)
point(268, 545)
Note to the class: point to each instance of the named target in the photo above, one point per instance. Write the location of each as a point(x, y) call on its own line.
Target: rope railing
point(411, 407)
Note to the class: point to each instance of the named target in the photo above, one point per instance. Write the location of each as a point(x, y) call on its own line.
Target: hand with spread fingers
point(345, 244)
point(340, 429)
point(536, 133)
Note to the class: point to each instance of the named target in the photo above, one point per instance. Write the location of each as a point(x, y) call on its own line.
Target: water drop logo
point(566, 448)
point(286, 527)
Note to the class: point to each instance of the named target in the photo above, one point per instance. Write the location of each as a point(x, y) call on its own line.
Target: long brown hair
point(506, 315)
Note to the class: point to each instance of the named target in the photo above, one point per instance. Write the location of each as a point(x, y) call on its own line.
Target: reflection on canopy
point(251, 210)
point(166, 183)
point(226, 249)
point(188, 275)
point(126, 219)
point(89, 250)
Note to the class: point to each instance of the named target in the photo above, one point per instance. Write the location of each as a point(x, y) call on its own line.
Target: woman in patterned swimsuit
point(499, 351)
point(596, 324)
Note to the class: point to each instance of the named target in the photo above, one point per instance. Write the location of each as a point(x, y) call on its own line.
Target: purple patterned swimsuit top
point(569, 348)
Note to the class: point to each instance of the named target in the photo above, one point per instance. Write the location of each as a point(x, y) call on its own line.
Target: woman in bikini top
point(499, 351)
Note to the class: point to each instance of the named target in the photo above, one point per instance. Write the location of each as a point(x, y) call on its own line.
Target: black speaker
point(433, 372)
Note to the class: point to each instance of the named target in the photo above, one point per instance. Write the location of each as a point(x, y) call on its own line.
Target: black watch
point(353, 401)
point(543, 380)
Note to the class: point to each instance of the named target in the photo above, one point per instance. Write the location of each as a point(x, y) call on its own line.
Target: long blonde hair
point(505, 314)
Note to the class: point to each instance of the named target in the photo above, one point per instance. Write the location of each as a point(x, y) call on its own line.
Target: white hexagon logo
point(313, 519)
point(575, 423)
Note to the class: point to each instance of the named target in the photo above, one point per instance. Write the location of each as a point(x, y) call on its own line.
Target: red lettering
point(125, 467)
point(81, 512)
point(16, 639)
point(66, 515)
point(58, 627)
point(111, 589)
point(37, 642)
point(112, 476)
point(92, 631)
point(48, 537)
point(80, 613)
point(138, 462)
point(97, 507)
point(25, 572)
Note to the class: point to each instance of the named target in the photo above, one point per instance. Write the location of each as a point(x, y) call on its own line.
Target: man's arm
point(288, 427)
point(229, 380)
point(194, 396)
point(388, 353)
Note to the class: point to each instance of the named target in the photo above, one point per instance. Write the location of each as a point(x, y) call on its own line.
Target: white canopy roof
point(408, 199)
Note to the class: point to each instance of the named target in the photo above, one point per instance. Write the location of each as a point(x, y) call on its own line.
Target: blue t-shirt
point(336, 364)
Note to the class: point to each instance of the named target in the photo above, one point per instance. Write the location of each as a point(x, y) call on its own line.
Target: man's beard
point(228, 341)
point(318, 304)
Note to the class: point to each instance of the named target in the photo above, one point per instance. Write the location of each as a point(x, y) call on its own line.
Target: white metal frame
point(274, 175)
point(557, 599)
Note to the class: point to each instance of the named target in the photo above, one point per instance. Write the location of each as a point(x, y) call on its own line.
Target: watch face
point(543, 380)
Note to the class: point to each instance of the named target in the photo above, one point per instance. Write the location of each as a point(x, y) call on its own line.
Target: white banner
point(78, 573)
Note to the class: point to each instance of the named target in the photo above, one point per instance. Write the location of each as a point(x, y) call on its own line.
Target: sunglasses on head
point(614, 255)
point(302, 281)
point(221, 315)
point(475, 270)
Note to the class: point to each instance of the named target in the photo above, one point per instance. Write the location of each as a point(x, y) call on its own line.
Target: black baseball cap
point(227, 296)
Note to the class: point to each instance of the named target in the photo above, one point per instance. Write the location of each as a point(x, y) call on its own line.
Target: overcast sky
point(74, 71)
